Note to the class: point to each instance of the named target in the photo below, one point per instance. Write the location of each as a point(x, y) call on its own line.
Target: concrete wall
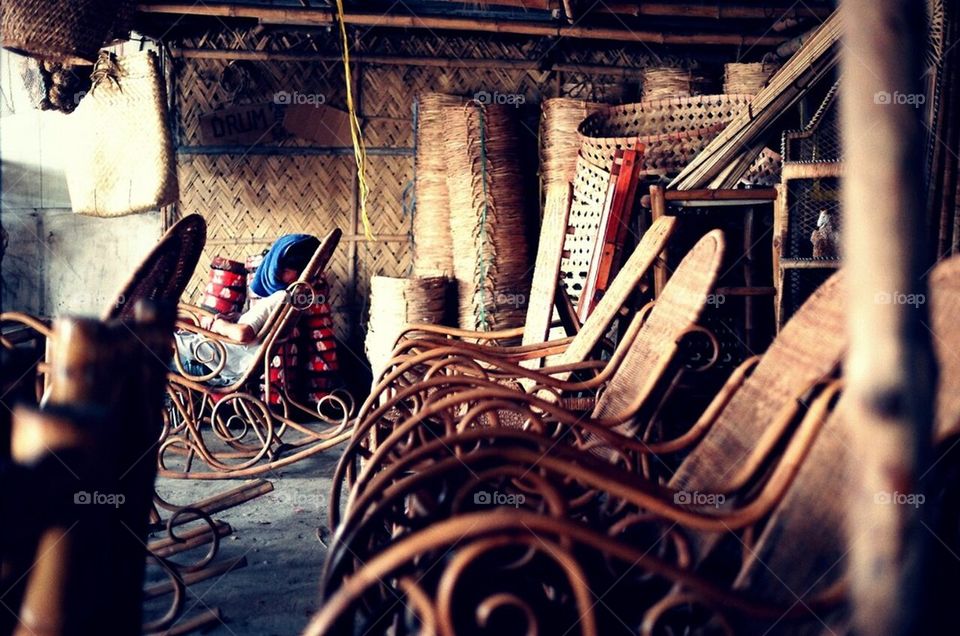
point(56, 261)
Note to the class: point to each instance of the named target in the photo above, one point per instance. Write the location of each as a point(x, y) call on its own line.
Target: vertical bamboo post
point(890, 369)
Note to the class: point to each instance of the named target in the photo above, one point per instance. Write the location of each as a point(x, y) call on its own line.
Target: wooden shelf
point(809, 263)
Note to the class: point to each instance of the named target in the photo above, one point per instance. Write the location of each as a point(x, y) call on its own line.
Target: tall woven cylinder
point(433, 248)
point(487, 215)
point(746, 79)
point(559, 141)
point(395, 302)
point(70, 31)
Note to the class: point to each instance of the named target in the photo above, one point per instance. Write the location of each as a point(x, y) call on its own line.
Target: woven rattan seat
point(807, 350)
point(803, 544)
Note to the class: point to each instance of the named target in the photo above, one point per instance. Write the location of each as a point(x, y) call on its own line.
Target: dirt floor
point(277, 591)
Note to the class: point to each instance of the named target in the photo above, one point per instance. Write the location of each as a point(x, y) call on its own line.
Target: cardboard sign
point(247, 124)
point(321, 124)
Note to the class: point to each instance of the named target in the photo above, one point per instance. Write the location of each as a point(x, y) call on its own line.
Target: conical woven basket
point(123, 154)
point(61, 30)
point(672, 131)
point(433, 249)
point(487, 215)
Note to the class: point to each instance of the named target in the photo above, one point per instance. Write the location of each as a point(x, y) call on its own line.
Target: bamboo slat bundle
point(559, 141)
point(746, 79)
point(724, 157)
point(487, 215)
point(433, 250)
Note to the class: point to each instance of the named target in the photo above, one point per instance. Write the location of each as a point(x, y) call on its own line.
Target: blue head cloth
point(266, 280)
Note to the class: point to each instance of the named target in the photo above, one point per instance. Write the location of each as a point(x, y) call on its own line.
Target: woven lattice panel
point(589, 193)
point(200, 89)
point(387, 178)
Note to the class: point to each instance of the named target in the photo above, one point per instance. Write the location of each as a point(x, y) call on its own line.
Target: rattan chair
point(640, 366)
point(220, 432)
point(424, 350)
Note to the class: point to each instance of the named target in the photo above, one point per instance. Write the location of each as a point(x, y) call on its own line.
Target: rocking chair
point(228, 430)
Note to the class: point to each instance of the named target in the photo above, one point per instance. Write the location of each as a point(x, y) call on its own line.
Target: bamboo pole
point(890, 370)
point(394, 60)
point(308, 17)
point(716, 11)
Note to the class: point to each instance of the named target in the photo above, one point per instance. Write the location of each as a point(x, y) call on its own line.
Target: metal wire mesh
point(818, 141)
point(808, 199)
point(798, 285)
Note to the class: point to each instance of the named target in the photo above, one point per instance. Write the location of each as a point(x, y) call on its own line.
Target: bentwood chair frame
point(249, 438)
point(762, 390)
point(639, 379)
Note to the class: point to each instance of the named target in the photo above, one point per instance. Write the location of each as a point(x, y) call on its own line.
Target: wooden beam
point(308, 17)
point(387, 60)
point(890, 369)
point(716, 11)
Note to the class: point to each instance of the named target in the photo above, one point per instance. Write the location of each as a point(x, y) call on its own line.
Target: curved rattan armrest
point(453, 332)
point(32, 322)
point(408, 347)
point(192, 312)
point(183, 325)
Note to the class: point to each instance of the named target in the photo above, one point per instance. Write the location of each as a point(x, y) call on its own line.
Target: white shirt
point(239, 356)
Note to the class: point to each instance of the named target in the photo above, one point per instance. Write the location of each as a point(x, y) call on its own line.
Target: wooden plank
point(546, 272)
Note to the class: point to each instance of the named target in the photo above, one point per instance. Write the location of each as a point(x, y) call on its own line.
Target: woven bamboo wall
point(251, 197)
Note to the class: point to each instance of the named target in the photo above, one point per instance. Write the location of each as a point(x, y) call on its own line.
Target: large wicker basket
point(70, 31)
point(672, 131)
point(123, 158)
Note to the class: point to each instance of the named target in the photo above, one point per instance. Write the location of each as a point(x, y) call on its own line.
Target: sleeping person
point(282, 265)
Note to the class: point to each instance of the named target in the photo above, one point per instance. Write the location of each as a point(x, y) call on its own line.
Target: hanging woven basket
point(746, 79)
point(660, 82)
point(123, 158)
point(68, 31)
point(672, 131)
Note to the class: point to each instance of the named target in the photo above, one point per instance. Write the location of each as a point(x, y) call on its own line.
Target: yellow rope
point(359, 150)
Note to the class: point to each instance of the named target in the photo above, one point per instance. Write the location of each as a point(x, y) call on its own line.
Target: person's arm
point(235, 331)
